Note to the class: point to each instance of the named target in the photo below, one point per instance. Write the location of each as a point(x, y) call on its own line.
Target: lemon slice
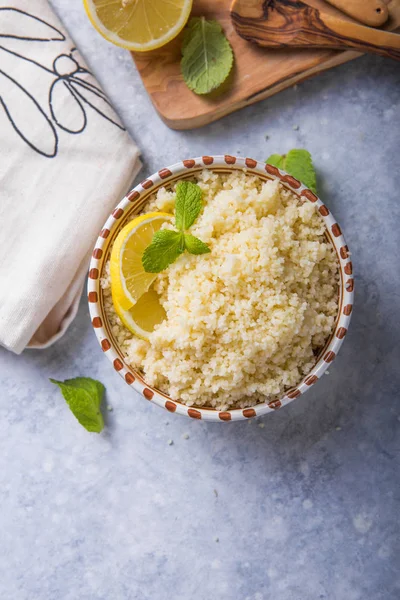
point(129, 280)
point(138, 25)
point(144, 315)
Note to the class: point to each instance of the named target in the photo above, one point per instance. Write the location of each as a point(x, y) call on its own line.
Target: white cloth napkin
point(65, 161)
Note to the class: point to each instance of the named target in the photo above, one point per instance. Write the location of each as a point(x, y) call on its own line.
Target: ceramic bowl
point(133, 202)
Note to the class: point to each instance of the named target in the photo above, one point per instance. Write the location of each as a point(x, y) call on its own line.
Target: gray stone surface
point(304, 508)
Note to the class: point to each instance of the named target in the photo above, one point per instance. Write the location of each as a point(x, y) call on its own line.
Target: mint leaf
point(83, 396)
point(207, 56)
point(188, 204)
point(164, 249)
point(195, 246)
point(298, 163)
point(167, 245)
point(276, 160)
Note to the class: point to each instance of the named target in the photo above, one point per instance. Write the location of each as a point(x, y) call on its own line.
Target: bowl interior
point(134, 202)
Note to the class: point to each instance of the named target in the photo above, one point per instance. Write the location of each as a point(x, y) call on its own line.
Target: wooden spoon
point(291, 23)
point(370, 12)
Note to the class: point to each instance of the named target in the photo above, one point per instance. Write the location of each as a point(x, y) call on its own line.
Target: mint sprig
point(296, 162)
point(164, 249)
point(167, 245)
point(277, 160)
point(84, 396)
point(194, 245)
point(207, 56)
point(188, 204)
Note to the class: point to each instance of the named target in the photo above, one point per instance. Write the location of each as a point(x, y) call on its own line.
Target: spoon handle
point(289, 23)
point(341, 33)
point(370, 12)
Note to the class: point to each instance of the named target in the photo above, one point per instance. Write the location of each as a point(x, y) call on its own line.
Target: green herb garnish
point(164, 249)
point(188, 204)
point(194, 245)
point(83, 396)
point(297, 162)
point(277, 160)
point(207, 56)
point(167, 245)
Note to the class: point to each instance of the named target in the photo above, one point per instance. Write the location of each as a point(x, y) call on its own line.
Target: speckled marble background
point(301, 506)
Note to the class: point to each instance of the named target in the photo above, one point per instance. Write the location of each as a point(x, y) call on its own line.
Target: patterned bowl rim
point(132, 203)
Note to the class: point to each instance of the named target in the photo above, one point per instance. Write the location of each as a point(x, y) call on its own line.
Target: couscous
point(245, 322)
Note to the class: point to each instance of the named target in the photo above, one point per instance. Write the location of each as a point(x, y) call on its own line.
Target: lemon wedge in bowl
point(136, 304)
point(138, 25)
point(143, 316)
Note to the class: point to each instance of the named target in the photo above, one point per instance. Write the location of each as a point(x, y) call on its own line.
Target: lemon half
point(138, 25)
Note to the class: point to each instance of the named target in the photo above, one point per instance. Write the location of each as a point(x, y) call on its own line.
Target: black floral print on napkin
point(69, 88)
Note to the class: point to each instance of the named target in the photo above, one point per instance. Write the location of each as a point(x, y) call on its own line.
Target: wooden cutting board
point(257, 73)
